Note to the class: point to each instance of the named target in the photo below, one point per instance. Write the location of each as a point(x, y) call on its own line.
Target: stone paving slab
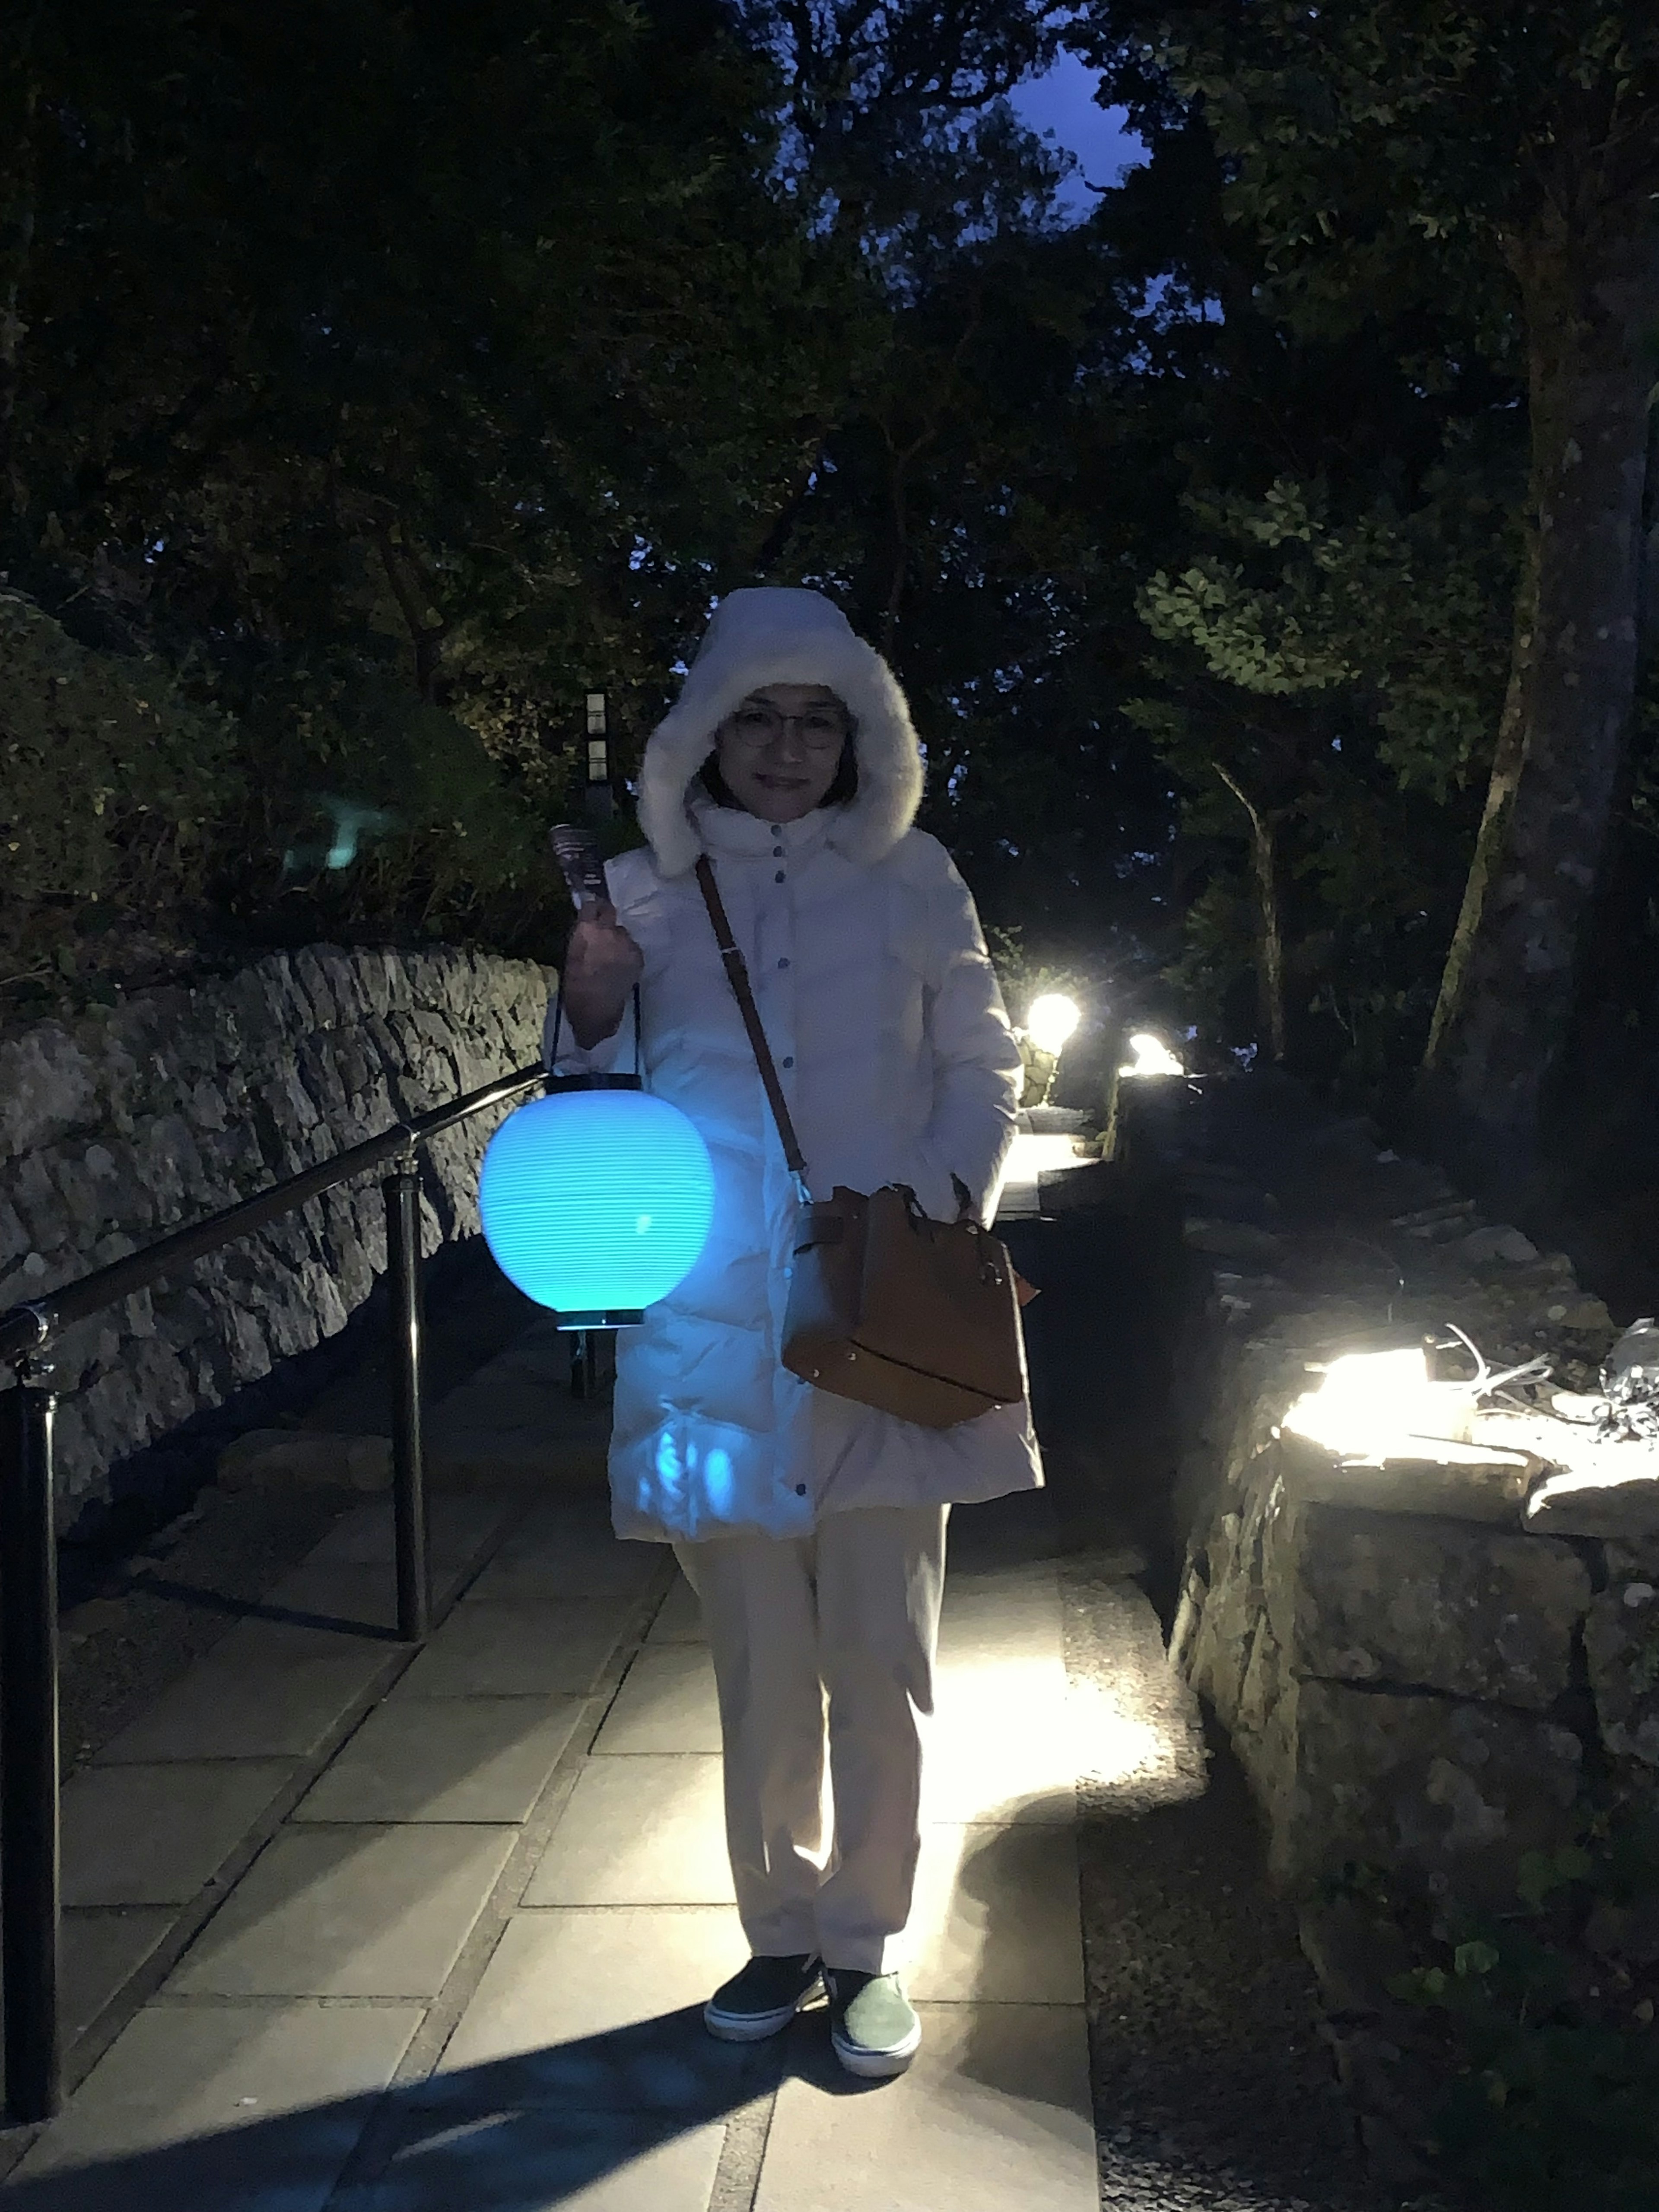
point(157, 1835)
point(102, 1951)
point(997, 1916)
point(352, 1597)
point(220, 2109)
point(445, 1759)
point(348, 1912)
point(638, 1831)
point(994, 2115)
point(1005, 1745)
point(459, 1526)
point(601, 2010)
point(666, 1703)
point(680, 1621)
point(533, 2162)
point(267, 1690)
point(519, 1651)
point(566, 1551)
point(984, 1624)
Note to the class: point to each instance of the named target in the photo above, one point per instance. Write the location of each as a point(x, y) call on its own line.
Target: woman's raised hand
point(602, 964)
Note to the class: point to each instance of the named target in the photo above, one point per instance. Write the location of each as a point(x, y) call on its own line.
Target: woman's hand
point(602, 964)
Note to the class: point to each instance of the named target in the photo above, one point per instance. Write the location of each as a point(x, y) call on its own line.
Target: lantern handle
point(637, 1079)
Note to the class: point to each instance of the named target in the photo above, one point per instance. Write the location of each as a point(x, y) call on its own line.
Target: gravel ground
point(1213, 2092)
point(1213, 2089)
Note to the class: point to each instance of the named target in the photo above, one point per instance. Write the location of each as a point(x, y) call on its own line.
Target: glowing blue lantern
point(597, 1201)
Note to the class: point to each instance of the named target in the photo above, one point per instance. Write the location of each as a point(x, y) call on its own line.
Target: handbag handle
point(737, 975)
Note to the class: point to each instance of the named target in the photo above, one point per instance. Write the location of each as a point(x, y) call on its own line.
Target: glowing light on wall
point(1051, 1021)
point(597, 1203)
point(1152, 1057)
point(1382, 1402)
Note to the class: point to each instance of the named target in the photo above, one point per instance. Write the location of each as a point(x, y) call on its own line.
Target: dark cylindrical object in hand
point(402, 1235)
point(30, 1872)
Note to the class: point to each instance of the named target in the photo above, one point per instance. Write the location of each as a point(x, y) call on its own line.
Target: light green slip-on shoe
point(872, 2025)
point(762, 1998)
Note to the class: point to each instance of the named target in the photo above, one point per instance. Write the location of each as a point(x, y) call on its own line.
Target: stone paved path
point(491, 1882)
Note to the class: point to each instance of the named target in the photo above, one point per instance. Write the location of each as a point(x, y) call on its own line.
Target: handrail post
point(403, 1238)
point(31, 1898)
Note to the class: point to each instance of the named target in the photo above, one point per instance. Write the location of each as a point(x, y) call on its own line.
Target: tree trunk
point(1264, 868)
point(1506, 999)
point(1492, 839)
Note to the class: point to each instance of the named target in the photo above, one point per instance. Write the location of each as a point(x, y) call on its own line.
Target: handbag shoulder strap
point(737, 975)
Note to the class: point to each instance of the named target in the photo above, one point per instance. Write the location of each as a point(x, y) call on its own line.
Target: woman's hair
point(844, 788)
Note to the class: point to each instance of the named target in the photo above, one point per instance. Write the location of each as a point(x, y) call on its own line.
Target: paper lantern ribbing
point(597, 1202)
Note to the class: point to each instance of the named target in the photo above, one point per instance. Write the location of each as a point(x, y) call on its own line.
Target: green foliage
point(1550, 2062)
point(113, 785)
point(1408, 612)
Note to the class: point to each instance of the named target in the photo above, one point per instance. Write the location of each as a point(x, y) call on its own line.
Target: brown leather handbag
point(917, 1318)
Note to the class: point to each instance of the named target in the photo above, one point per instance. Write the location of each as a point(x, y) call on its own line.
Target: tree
point(399, 371)
point(1507, 154)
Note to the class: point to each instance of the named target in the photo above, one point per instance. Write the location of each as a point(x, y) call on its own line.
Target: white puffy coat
point(893, 1050)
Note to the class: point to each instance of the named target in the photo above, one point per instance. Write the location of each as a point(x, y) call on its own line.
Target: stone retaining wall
point(1422, 1667)
point(134, 1120)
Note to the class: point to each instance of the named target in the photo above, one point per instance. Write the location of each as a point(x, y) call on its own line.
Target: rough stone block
point(1610, 1491)
point(1483, 1482)
point(302, 1458)
point(1621, 1645)
point(1376, 1597)
point(1457, 1792)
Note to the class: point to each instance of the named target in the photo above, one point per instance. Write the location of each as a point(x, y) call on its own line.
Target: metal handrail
point(31, 1900)
point(27, 1329)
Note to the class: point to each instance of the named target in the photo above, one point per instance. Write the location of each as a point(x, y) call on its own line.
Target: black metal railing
point(30, 1905)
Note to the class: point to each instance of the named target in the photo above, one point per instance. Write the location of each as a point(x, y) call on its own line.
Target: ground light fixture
point(1152, 1057)
point(597, 1199)
point(1382, 1403)
point(1051, 1021)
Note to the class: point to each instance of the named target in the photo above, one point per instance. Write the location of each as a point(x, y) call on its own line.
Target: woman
point(811, 1529)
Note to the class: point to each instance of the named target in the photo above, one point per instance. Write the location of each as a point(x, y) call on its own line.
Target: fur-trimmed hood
point(776, 633)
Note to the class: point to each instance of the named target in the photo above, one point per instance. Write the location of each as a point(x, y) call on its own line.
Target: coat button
point(777, 852)
point(783, 963)
point(776, 828)
point(790, 1060)
point(800, 1490)
point(778, 879)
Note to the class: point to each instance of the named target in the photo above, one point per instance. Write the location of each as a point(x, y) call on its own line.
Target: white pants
point(842, 1626)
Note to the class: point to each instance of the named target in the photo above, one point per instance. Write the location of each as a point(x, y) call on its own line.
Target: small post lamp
point(1152, 1057)
point(1049, 1026)
point(1051, 1022)
point(597, 1199)
point(601, 798)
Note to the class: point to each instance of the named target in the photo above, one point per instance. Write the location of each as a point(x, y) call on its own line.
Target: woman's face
point(778, 753)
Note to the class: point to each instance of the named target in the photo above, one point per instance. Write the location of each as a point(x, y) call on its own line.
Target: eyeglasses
point(821, 729)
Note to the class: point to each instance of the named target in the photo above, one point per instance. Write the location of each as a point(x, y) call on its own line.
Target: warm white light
point(1152, 1057)
point(1051, 1021)
point(1378, 1402)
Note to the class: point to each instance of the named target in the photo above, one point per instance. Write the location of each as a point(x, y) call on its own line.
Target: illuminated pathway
point(493, 1883)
